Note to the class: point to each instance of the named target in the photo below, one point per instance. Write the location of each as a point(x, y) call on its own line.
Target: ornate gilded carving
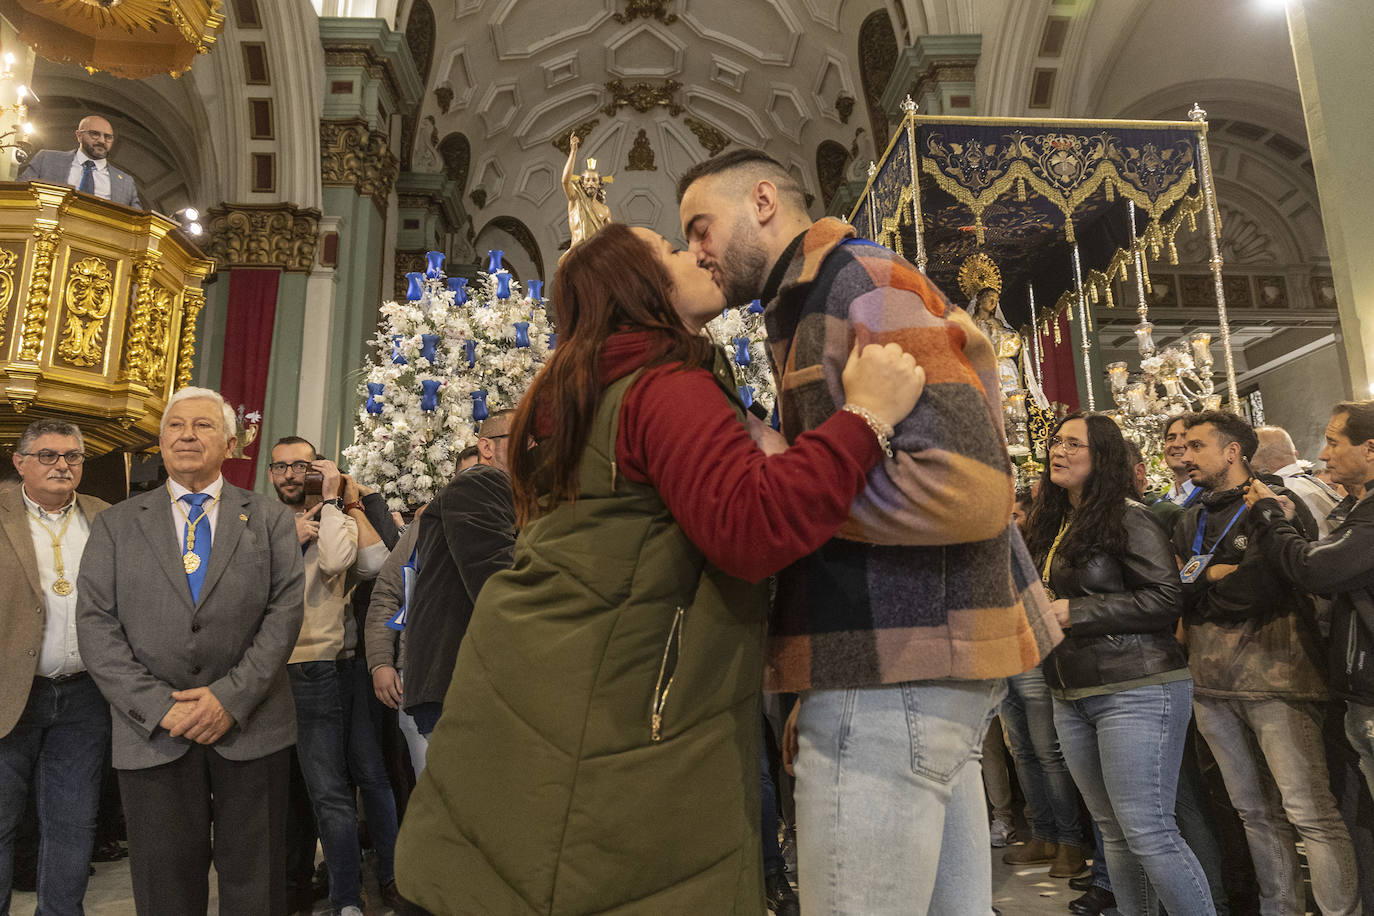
point(642, 97)
point(646, 9)
point(174, 30)
point(88, 296)
point(145, 352)
point(159, 338)
point(192, 303)
point(641, 154)
point(709, 137)
point(562, 143)
point(352, 155)
point(8, 259)
point(40, 281)
point(271, 235)
point(406, 262)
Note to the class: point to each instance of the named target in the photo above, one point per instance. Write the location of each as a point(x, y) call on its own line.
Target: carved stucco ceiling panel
point(739, 121)
point(456, 73)
point(536, 183)
point(559, 70)
point(766, 30)
point(832, 81)
point(641, 207)
point(499, 106)
point(523, 28)
point(726, 72)
point(556, 115)
point(826, 12)
point(787, 111)
point(491, 178)
point(678, 149)
point(646, 49)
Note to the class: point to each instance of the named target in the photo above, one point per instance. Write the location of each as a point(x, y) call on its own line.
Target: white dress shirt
point(1318, 497)
point(101, 174)
point(59, 654)
point(1179, 495)
point(179, 515)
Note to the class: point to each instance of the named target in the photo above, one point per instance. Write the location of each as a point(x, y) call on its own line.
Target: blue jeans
point(321, 746)
point(368, 770)
point(58, 746)
point(1051, 796)
point(1124, 750)
point(773, 862)
point(1273, 759)
point(1359, 728)
point(890, 811)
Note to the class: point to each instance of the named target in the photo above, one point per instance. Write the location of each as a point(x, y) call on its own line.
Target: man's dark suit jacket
point(54, 166)
point(466, 534)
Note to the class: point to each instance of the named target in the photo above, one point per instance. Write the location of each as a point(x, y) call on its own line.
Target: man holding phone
point(1259, 690)
point(340, 547)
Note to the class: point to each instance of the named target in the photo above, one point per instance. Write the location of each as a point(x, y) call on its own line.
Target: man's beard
point(743, 266)
point(1215, 482)
point(297, 501)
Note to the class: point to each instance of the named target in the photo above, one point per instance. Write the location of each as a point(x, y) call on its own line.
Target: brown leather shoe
point(1036, 852)
point(1068, 861)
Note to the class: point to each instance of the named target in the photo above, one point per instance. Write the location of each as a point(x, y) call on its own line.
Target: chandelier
point(15, 135)
point(1172, 381)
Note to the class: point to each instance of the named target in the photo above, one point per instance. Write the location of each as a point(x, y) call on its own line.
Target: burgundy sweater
point(750, 513)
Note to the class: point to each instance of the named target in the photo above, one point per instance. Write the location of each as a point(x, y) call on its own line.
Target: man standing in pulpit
point(86, 168)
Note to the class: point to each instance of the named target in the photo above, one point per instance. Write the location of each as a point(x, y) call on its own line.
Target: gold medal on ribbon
point(62, 587)
point(190, 561)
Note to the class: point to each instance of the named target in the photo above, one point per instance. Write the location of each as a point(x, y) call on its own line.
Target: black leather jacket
point(1122, 611)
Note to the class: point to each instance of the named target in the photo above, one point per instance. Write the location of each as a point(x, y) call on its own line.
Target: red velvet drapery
point(247, 353)
point(1057, 365)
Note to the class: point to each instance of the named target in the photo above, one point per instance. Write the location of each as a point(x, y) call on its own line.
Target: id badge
point(1194, 568)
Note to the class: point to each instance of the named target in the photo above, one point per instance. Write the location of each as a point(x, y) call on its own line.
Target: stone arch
point(877, 58)
point(831, 159)
point(456, 153)
point(523, 260)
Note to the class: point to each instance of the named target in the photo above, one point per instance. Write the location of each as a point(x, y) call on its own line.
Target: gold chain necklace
point(1049, 557)
point(190, 560)
point(62, 585)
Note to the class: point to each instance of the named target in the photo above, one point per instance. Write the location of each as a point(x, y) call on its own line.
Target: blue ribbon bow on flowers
point(494, 258)
point(374, 396)
point(429, 395)
point(459, 287)
point(522, 333)
point(434, 268)
point(415, 290)
point(479, 405)
point(537, 290)
point(427, 344)
point(503, 285)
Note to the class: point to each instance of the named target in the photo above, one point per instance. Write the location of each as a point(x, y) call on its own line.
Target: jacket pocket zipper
point(671, 649)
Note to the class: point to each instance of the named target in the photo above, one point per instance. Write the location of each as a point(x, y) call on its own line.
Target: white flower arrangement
point(746, 324)
point(408, 453)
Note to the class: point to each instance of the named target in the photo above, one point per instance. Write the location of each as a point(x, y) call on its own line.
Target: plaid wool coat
point(928, 579)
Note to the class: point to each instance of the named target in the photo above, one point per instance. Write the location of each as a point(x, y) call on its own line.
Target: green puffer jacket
point(598, 751)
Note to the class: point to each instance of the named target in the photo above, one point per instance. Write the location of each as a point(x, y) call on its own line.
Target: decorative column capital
point(353, 155)
point(937, 73)
point(263, 235)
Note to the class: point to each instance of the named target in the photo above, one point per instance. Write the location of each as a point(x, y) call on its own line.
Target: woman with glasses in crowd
point(598, 750)
point(1122, 693)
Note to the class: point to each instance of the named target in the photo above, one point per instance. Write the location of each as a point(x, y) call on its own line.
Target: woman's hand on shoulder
point(883, 379)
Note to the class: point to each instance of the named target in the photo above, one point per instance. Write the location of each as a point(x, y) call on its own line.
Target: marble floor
point(1016, 892)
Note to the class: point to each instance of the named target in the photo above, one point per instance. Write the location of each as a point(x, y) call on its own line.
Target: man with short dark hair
point(54, 724)
point(1254, 652)
point(1183, 492)
point(86, 168)
point(1340, 564)
point(189, 604)
point(340, 547)
point(466, 534)
point(910, 619)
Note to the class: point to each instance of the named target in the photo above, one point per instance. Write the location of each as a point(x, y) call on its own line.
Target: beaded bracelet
point(880, 429)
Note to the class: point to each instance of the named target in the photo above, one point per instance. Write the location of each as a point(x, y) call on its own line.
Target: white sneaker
point(1001, 832)
point(350, 911)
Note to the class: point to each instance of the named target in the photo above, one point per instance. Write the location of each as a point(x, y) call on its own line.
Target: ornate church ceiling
point(653, 86)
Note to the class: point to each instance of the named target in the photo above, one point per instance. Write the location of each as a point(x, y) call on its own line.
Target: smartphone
point(314, 482)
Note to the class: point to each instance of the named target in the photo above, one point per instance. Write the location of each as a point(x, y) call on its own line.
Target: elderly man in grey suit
point(191, 599)
point(87, 167)
point(54, 724)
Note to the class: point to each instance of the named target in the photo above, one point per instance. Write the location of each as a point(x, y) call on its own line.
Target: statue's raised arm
point(570, 170)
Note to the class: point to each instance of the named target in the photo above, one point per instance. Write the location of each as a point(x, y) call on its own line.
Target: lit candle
point(1202, 348)
point(1116, 372)
point(1143, 338)
point(1135, 398)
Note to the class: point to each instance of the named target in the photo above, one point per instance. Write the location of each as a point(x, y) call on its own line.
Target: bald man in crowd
point(1278, 456)
point(86, 168)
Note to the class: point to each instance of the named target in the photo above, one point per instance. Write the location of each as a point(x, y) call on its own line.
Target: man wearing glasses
point(87, 167)
point(340, 547)
point(466, 534)
point(54, 724)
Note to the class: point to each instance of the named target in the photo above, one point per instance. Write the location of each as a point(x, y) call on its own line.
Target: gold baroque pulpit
point(98, 308)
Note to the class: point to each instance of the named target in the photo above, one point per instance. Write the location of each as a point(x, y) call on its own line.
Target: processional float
point(1009, 210)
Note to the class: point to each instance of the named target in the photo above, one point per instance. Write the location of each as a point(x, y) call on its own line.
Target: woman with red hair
point(599, 745)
